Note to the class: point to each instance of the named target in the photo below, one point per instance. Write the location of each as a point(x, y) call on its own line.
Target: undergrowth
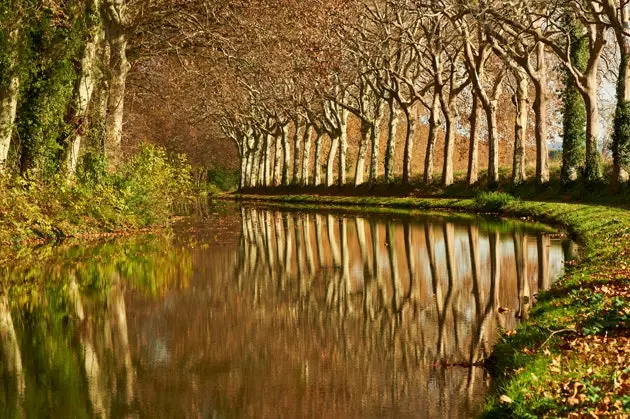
point(143, 192)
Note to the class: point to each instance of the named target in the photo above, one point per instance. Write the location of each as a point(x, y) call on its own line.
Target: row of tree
point(453, 66)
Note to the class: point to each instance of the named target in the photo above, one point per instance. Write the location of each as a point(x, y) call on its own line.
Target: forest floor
point(571, 357)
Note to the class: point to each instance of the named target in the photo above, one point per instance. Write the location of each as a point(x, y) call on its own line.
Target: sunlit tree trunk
point(449, 143)
point(9, 93)
point(277, 160)
point(390, 151)
point(317, 164)
point(286, 148)
point(375, 136)
point(298, 140)
point(520, 127)
point(115, 24)
point(330, 166)
point(410, 114)
point(540, 111)
point(366, 133)
point(343, 146)
point(268, 163)
point(473, 152)
point(434, 125)
point(306, 156)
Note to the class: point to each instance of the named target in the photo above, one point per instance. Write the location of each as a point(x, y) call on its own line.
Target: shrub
point(493, 201)
point(224, 179)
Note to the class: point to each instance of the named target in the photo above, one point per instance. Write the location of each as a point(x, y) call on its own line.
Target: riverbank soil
point(571, 357)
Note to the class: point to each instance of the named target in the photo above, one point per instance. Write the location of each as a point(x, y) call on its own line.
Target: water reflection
point(267, 312)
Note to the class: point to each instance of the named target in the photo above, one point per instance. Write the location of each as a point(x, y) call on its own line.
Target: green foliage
point(224, 179)
point(145, 191)
point(493, 201)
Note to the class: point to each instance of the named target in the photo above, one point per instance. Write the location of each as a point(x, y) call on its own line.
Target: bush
point(493, 201)
point(224, 179)
point(145, 191)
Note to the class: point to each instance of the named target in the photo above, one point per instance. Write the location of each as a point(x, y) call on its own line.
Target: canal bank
point(572, 353)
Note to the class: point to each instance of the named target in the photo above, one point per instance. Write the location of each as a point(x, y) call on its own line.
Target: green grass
point(538, 372)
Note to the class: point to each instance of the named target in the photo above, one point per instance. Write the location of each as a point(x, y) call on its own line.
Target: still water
point(267, 313)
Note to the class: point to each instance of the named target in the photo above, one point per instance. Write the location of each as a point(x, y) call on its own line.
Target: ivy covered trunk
point(574, 112)
point(84, 88)
point(621, 135)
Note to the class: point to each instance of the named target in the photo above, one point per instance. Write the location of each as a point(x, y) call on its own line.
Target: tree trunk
point(366, 133)
point(297, 152)
point(9, 99)
point(493, 144)
point(434, 124)
point(621, 135)
point(330, 166)
point(277, 161)
point(343, 146)
point(306, 156)
point(390, 152)
point(520, 128)
point(83, 90)
point(317, 178)
point(243, 153)
point(411, 133)
point(473, 152)
point(286, 145)
point(118, 69)
point(593, 169)
point(256, 172)
point(449, 143)
point(8, 111)
point(268, 164)
point(540, 110)
point(375, 139)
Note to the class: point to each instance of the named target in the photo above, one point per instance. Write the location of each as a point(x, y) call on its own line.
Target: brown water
point(265, 313)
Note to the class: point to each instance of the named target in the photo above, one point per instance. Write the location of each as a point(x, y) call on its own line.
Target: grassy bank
point(572, 356)
point(144, 192)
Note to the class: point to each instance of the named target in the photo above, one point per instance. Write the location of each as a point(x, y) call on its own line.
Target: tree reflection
point(305, 314)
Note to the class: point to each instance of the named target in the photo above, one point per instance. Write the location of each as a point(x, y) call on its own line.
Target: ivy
point(574, 123)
